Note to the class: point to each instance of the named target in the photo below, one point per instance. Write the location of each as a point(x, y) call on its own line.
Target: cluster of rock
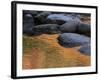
point(70, 40)
point(73, 32)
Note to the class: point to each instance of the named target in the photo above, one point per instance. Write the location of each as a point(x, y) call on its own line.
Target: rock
point(61, 18)
point(28, 18)
point(85, 17)
point(28, 23)
point(70, 26)
point(86, 50)
point(73, 39)
point(84, 28)
point(31, 12)
point(46, 28)
point(41, 17)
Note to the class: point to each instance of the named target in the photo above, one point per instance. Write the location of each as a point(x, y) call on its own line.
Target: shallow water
point(64, 57)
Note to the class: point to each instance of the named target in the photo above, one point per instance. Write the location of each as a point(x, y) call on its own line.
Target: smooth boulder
point(70, 26)
point(46, 28)
point(73, 39)
point(86, 50)
point(28, 24)
point(61, 18)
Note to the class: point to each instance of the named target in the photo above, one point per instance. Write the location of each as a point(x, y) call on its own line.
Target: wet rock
point(86, 50)
point(84, 28)
point(28, 23)
point(73, 39)
point(41, 17)
point(61, 18)
point(70, 26)
point(47, 28)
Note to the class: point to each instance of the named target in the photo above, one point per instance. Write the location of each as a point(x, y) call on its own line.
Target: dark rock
point(86, 50)
point(33, 13)
point(70, 26)
point(28, 18)
point(84, 28)
point(46, 28)
point(41, 17)
point(28, 23)
point(73, 39)
point(61, 18)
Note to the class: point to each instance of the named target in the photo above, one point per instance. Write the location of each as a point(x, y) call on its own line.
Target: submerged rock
point(73, 39)
point(86, 50)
